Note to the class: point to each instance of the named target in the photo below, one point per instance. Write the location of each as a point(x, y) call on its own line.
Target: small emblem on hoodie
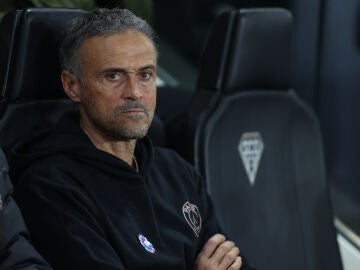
point(192, 216)
point(146, 243)
point(1, 203)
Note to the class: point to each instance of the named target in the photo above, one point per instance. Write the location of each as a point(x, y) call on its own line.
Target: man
point(95, 192)
point(16, 251)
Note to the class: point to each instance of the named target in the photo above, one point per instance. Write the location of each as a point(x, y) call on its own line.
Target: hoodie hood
point(66, 137)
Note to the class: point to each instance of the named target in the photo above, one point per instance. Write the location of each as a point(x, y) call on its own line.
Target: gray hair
point(101, 21)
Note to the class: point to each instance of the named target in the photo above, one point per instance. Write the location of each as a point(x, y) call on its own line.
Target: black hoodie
point(87, 209)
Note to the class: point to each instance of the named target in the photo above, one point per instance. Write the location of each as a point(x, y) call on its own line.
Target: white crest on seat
point(251, 147)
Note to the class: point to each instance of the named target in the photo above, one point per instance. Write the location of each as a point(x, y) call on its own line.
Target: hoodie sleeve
point(16, 251)
point(212, 225)
point(65, 226)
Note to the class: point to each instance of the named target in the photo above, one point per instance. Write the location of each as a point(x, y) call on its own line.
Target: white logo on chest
point(192, 217)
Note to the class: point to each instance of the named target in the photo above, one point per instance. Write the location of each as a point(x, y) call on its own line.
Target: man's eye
point(113, 76)
point(145, 75)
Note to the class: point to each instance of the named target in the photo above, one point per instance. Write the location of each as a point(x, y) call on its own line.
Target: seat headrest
point(248, 49)
point(32, 38)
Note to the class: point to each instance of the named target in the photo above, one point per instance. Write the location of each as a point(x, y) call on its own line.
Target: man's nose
point(132, 90)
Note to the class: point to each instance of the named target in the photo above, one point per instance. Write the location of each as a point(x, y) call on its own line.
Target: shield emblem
point(192, 216)
point(250, 148)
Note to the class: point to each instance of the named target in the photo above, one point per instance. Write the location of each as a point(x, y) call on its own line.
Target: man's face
point(118, 93)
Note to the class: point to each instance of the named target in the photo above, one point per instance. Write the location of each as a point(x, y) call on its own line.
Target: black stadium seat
point(31, 93)
point(259, 146)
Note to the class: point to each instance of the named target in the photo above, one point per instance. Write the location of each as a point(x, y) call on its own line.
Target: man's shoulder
point(53, 166)
point(165, 158)
point(52, 160)
point(168, 155)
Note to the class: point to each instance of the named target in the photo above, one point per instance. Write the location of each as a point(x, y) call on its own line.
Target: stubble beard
point(119, 126)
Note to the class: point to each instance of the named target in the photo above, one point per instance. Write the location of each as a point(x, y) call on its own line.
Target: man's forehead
point(120, 50)
point(131, 67)
point(120, 40)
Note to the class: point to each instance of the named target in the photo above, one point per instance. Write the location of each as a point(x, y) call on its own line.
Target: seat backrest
point(31, 92)
point(259, 146)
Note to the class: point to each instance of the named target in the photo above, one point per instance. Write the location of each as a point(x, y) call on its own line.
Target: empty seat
point(259, 146)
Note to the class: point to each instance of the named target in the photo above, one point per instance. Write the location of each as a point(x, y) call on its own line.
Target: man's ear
point(71, 85)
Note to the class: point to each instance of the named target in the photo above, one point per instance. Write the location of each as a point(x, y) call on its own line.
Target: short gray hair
point(101, 21)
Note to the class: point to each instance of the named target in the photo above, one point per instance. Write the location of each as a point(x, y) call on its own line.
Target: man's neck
point(121, 149)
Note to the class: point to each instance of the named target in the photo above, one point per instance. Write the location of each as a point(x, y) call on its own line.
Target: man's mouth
point(132, 108)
